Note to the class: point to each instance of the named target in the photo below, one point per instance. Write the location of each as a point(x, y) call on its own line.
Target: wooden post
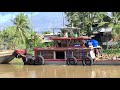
point(72, 53)
point(40, 53)
point(55, 43)
point(65, 55)
point(54, 55)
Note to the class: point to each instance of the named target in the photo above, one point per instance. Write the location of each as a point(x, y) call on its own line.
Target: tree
point(22, 24)
point(46, 32)
point(114, 23)
point(84, 20)
point(7, 37)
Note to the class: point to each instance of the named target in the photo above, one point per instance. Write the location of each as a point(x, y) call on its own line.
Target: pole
point(63, 18)
point(31, 21)
point(107, 40)
point(53, 32)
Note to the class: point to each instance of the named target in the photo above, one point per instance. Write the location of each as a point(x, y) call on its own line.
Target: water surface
point(16, 69)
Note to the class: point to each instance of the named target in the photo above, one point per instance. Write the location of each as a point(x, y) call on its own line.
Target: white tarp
point(105, 29)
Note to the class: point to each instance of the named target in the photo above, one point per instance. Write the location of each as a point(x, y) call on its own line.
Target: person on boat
point(95, 44)
point(65, 34)
point(75, 35)
point(59, 34)
point(92, 42)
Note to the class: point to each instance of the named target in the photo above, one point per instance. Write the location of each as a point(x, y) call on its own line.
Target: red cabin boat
point(67, 50)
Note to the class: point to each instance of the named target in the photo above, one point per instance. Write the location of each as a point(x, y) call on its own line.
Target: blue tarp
point(92, 42)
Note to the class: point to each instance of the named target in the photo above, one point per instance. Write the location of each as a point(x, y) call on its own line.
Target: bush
point(112, 51)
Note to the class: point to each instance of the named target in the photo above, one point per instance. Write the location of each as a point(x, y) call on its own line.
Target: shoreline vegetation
point(111, 53)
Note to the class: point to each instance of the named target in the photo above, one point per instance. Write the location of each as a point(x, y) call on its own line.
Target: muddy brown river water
point(16, 69)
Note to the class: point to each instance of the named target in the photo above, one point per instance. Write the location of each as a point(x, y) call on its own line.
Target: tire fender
point(69, 63)
point(30, 61)
point(39, 60)
point(91, 61)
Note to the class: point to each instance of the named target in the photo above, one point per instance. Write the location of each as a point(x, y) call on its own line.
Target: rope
point(82, 53)
point(68, 53)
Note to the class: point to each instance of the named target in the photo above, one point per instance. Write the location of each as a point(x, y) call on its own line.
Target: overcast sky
point(41, 21)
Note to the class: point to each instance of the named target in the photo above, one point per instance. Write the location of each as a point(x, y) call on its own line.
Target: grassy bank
point(112, 51)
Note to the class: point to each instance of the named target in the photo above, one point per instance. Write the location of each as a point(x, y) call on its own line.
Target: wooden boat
point(6, 56)
point(67, 53)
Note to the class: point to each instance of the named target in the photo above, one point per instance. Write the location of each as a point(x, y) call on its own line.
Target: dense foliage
point(21, 35)
point(112, 51)
point(86, 20)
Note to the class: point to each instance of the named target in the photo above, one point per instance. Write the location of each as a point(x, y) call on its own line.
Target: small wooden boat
point(6, 56)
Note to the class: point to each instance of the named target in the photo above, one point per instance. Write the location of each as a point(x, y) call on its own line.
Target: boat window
point(60, 55)
point(59, 43)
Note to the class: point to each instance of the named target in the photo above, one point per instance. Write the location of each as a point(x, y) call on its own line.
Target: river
point(16, 69)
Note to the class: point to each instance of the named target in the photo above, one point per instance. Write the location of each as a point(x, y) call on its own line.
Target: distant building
point(103, 35)
point(46, 37)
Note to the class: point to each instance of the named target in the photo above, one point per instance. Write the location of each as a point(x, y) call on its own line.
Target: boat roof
point(71, 38)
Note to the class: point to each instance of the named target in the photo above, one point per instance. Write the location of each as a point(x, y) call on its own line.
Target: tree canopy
point(85, 21)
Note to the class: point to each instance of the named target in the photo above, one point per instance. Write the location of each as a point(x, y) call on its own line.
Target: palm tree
point(115, 24)
point(22, 24)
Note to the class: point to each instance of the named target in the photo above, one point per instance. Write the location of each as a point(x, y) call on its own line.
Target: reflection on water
point(18, 70)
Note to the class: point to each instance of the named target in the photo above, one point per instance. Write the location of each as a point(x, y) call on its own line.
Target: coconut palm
point(115, 24)
point(22, 24)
